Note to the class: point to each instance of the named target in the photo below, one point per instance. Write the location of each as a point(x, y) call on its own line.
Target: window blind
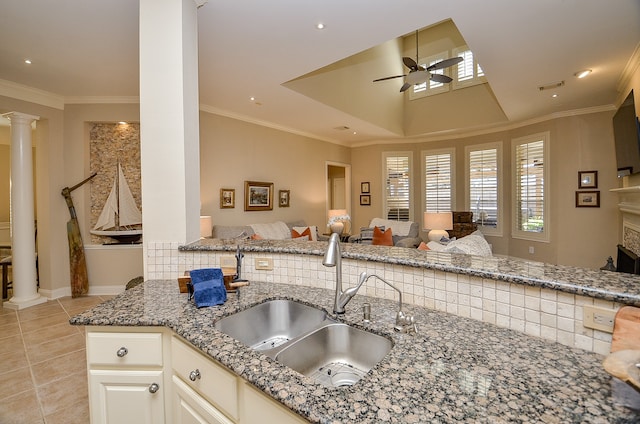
point(397, 191)
point(483, 186)
point(438, 182)
point(530, 186)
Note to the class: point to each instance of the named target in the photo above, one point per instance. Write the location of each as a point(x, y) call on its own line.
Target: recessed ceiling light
point(319, 25)
point(354, 133)
point(252, 98)
point(27, 61)
point(122, 123)
point(554, 96)
point(582, 74)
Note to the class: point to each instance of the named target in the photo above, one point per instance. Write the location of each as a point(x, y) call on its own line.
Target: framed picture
point(587, 179)
point(587, 199)
point(227, 198)
point(365, 200)
point(364, 187)
point(258, 196)
point(283, 198)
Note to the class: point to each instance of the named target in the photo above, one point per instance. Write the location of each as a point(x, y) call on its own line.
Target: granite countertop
point(454, 370)
point(607, 285)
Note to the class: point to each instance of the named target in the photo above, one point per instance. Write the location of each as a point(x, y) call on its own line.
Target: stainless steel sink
point(271, 324)
point(307, 340)
point(335, 355)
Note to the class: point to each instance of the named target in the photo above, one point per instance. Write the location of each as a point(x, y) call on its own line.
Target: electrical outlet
point(598, 318)
point(227, 261)
point(265, 264)
point(532, 250)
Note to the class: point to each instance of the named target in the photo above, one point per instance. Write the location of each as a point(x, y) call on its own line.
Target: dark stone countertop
point(455, 370)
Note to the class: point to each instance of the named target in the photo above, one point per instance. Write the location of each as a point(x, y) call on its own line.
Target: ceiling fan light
point(583, 73)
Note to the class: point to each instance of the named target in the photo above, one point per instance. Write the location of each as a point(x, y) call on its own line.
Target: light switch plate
point(265, 264)
point(598, 318)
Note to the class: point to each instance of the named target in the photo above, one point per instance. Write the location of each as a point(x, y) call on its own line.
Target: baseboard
point(93, 291)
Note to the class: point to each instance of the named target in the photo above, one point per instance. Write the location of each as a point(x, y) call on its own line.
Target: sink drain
point(337, 374)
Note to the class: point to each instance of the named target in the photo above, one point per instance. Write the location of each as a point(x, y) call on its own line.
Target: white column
point(23, 245)
point(169, 129)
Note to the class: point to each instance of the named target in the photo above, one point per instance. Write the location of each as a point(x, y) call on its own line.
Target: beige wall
point(579, 236)
point(232, 152)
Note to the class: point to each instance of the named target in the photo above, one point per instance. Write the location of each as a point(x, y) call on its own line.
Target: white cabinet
point(191, 408)
point(257, 407)
point(126, 376)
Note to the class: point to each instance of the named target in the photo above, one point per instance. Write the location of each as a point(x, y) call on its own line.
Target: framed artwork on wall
point(365, 200)
point(587, 199)
point(587, 179)
point(258, 196)
point(283, 198)
point(227, 198)
point(365, 187)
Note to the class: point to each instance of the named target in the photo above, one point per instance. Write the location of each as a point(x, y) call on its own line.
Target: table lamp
point(206, 226)
point(337, 219)
point(438, 223)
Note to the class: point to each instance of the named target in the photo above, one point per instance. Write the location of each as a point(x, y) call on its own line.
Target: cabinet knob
point(194, 375)
point(153, 388)
point(122, 352)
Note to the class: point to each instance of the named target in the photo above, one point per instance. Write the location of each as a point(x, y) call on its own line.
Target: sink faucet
point(333, 258)
point(404, 323)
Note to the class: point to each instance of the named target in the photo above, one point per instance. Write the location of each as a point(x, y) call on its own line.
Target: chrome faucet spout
point(333, 258)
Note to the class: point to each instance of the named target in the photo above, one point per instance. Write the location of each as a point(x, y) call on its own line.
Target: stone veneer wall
point(108, 144)
point(631, 239)
point(550, 314)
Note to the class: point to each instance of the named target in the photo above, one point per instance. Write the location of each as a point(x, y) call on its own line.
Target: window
point(439, 180)
point(483, 186)
point(469, 71)
point(530, 167)
point(397, 190)
point(429, 87)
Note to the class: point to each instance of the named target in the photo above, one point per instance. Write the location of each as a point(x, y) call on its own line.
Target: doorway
point(338, 190)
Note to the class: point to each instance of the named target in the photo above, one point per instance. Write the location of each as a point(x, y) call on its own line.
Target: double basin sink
point(307, 340)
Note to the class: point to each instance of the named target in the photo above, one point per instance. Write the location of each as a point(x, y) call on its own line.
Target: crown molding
point(628, 72)
point(30, 94)
point(101, 99)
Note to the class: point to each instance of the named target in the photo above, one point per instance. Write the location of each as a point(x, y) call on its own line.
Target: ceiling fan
point(419, 74)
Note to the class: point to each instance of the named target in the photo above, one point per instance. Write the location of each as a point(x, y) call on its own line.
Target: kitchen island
point(455, 369)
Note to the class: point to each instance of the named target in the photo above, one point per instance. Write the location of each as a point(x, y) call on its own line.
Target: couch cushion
point(473, 244)
point(382, 237)
point(272, 231)
point(232, 231)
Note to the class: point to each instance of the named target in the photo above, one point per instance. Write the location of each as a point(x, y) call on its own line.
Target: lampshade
point(438, 222)
point(206, 226)
point(337, 212)
point(337, 220)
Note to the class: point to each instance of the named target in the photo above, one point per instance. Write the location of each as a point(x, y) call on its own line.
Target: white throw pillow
point(473, 244)
point(312, 228)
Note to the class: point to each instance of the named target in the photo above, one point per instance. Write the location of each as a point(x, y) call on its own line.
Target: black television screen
point(626, 133)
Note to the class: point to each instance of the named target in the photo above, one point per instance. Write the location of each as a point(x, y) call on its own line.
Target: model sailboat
point(120, 213)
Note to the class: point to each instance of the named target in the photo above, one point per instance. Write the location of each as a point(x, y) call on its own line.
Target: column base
point(22, 304)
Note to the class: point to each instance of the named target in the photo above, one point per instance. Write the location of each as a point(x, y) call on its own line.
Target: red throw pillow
point(382, 238)
point(423, 246)
point(306, 232)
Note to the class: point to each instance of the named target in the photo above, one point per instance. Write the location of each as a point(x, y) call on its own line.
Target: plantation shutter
point(438, 182)
point(483, 186)
point(530, 186)
point(398, 182)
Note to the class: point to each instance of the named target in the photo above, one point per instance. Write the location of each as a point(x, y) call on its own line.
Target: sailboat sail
point(119, 211)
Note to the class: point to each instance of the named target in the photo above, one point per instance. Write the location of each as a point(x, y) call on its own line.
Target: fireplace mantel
point(629, 206)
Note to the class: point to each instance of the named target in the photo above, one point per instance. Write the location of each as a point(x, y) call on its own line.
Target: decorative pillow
point(306, 233)
point(301, 238)
point(313, 231)
point(423, 246)
point(256, 237)
point(435, 246)
point(382, 237)
point(473, 244)
point(366, 234)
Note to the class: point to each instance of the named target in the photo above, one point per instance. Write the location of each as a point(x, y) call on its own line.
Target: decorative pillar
point(169, 131)
point(23, 244)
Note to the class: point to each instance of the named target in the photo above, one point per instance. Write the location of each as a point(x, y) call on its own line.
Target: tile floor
point(43, 373)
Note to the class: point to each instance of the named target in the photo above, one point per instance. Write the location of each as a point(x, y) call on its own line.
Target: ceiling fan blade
point(410, 63)
point(445, 63)
point(388, 78)
point(440, 78)
point(404, 87)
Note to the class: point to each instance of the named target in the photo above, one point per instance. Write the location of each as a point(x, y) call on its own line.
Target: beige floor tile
point(49, 333)
point(39, 311)
point(59, 367)
point(8, 318)
point(15, 382)
point(47, 321)
point(64, 393)
point(13, 360)
point(10, 344)
point(53, 348)
point(21, 409)
point(77, 414)
point(9, 329)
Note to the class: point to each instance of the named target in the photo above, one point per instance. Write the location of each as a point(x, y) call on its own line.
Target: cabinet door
point(118, 397)
point(257, 407)
point(191, 408)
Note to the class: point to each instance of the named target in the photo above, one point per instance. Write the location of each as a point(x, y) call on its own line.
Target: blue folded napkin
point(208, 287)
